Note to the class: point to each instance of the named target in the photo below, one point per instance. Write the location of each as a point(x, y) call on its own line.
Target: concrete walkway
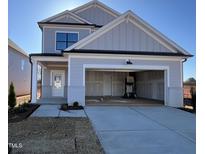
point(144, 130)
point(53, 111)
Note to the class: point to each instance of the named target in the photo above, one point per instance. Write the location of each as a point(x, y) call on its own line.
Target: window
point(65, 40)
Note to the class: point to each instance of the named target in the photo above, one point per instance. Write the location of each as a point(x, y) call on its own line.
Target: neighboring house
point(19, 69)
point(188, 85)
point(94, 50)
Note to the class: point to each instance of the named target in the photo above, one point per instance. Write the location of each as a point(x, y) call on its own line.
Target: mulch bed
point(66, 107)
point(18, 114)
point(54, 135)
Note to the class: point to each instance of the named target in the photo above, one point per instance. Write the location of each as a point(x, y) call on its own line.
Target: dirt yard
point(54, 135)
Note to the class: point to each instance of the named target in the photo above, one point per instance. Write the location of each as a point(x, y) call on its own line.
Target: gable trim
point(17, 48)
point(96, 3)
point(145, 27)
point(97, 33)
point(64, 13)
point(67, 16)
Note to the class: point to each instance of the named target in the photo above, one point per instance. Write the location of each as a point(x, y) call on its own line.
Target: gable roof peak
point(96, 3)
point(131, 16)
point(65, 13)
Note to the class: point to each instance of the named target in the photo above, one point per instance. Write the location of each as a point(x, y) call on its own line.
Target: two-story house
point(95, 51)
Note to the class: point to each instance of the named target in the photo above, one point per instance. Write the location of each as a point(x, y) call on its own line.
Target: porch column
point(34, 82)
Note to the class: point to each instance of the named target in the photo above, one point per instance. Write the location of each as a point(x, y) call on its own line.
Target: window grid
point(67, 41)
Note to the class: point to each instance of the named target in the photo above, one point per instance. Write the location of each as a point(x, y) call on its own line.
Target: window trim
point(64, 32)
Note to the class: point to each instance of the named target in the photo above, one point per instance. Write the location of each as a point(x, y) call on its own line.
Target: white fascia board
point(124, 56)
point(126, 17)
point(64, 13)
point(72, 15)
point(49, 58)
point(16, 47)
point(54, 16)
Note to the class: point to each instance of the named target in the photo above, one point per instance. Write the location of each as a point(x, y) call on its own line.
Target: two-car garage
point(124, 86)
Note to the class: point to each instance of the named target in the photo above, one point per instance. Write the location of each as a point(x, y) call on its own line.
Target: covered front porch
point(54, 79)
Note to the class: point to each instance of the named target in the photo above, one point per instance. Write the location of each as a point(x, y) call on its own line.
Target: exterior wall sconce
point(128, 62)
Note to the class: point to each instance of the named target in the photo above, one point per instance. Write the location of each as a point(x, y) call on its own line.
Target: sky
point(171, 17)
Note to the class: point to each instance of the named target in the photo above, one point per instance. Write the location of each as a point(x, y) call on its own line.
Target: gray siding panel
point(126, 36)
point(96, 16)
point(21, 77)
point(49, 37)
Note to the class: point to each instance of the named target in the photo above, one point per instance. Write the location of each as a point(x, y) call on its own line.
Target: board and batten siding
point(96, 15)
point(19, 72)
point(76, 89)
point(49, 37)
point(126, 36)
point(46, 77)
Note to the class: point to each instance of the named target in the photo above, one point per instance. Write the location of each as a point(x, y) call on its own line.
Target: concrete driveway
point(144, 130)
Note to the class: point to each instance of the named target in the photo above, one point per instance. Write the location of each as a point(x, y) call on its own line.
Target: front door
point(107, 85)
point(58, 80)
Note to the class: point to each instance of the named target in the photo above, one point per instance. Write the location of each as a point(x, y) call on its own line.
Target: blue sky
point(174, 18)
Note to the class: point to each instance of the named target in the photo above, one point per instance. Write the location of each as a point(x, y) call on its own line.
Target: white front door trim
point(62, 72)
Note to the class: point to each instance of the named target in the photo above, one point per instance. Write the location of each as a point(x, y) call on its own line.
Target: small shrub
point(76, 104)
point(64, 107)
point(20, 109)
point(12, 96)
point(25, 105)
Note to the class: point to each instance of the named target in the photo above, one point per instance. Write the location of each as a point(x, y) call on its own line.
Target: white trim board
point(16, 47)
point(129, 16)
point(64, 13)
point(122, 56)
point(49, 58)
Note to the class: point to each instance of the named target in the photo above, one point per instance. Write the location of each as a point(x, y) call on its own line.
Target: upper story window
point(65, 40)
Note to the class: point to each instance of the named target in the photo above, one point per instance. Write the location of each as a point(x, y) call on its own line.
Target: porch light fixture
point(128, 62)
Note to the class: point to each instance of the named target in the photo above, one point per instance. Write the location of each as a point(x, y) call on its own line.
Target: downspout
point(31, 77)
